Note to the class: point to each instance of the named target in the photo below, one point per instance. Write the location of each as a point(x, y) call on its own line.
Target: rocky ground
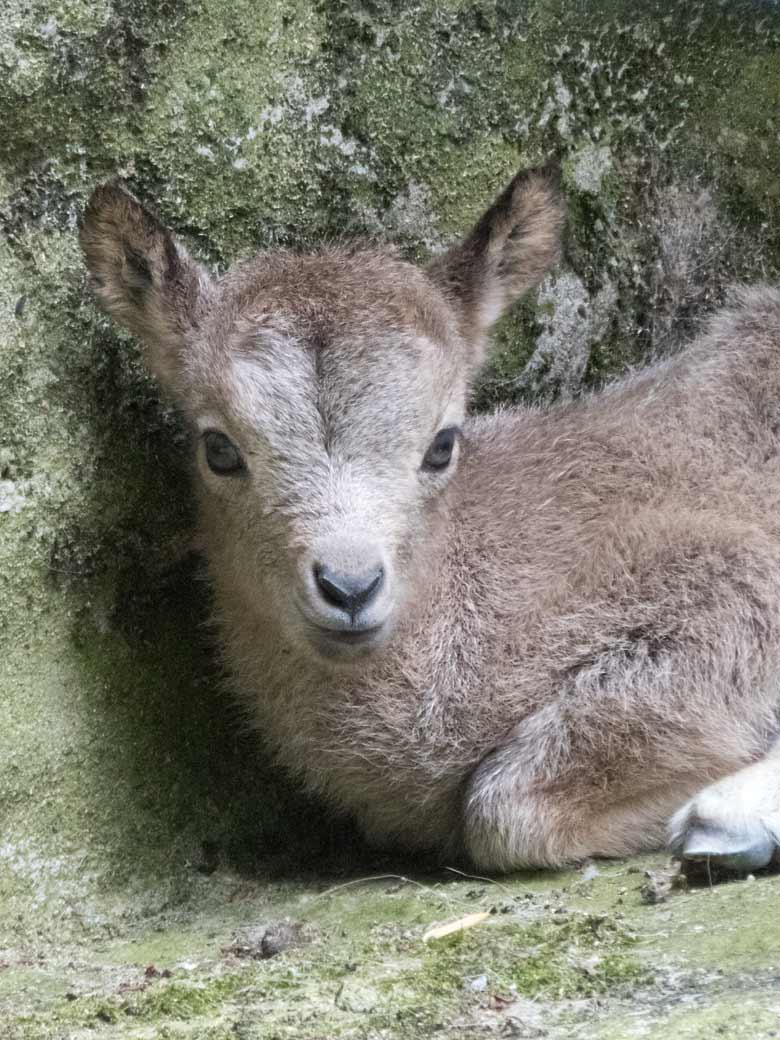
point(611, 951)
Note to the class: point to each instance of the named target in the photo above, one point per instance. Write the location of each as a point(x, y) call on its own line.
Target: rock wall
point(125, 777)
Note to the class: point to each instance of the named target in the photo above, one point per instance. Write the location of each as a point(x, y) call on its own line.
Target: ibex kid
point(526, 637)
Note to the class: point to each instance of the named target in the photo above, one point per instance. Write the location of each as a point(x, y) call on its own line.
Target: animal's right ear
point(142, 276)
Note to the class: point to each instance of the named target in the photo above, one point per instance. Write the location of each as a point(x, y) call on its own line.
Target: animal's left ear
point(143, 276)
point(509, 250)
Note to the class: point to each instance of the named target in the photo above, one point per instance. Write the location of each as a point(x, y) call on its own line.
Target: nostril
point(350, 592)
point(331, 588)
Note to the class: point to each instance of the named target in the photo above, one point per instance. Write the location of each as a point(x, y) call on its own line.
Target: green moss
point(743, 121)
point(109, 50)
point(180, 1001)
point(174, 1001)
point(233, 118)
point(513, 344)
point(561, 958)
point(552, 943)
point(737, 1018)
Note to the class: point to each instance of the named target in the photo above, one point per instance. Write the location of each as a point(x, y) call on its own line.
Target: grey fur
point(580, 623)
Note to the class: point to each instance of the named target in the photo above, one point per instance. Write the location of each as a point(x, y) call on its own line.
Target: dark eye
point(222, 455)
point(440, 452)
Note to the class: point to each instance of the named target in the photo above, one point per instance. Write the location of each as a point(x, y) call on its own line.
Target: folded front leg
point(734, 823)
point(514, 816)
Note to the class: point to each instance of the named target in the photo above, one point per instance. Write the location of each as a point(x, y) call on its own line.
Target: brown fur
point(580, 617)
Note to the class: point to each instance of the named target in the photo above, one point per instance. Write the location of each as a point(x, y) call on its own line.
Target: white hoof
point(733, 824)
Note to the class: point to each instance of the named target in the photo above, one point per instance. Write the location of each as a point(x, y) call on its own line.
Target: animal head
point(326, 394)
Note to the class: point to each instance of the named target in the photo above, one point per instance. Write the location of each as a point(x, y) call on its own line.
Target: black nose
point(350, 592)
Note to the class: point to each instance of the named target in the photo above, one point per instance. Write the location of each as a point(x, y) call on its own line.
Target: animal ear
point(508, 251)
point(142, 276)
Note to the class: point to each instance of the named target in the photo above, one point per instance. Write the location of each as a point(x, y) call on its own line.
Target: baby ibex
point(526, 637)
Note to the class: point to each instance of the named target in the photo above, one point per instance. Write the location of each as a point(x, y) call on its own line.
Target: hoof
point(732, 826)
point(737, 852)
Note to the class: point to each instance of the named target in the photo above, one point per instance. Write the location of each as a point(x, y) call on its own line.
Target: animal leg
point(734, 823)
point(513, 817)
point(650, 700)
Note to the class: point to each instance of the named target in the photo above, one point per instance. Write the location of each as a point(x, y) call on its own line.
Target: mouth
point(346, 642)
point(351, 636)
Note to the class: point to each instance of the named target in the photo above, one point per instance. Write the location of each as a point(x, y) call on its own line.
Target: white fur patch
point(730, 818)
